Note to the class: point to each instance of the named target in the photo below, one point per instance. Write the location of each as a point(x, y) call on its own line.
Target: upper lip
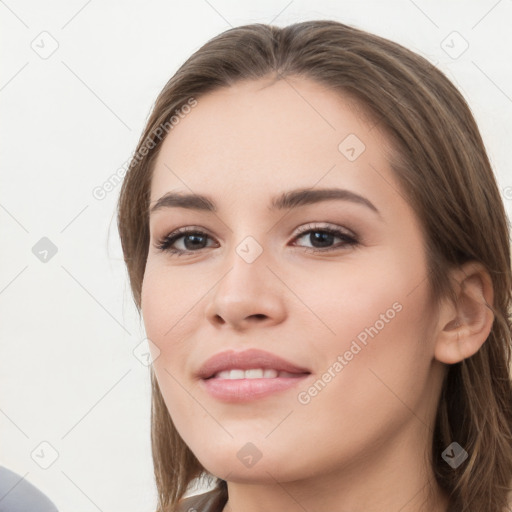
point(245, 360)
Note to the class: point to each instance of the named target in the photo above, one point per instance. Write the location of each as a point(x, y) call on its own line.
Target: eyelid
point(320, 225)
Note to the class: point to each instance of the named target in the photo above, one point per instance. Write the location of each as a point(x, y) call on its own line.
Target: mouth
point(252, 374)
point(248, 364)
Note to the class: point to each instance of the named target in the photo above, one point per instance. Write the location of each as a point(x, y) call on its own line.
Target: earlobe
point(465, 326)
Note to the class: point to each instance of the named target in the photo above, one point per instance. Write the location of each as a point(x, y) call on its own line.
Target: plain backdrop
point(77, 84)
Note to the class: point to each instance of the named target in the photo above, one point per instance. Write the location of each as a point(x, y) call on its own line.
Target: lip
point(245, 360)
point(243, 390)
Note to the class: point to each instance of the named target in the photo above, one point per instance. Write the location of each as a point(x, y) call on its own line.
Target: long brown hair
point(441, 164)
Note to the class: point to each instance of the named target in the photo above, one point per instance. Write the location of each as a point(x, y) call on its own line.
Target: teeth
point(253, 373)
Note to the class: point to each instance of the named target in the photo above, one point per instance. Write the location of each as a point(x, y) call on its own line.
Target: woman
point(316, 242)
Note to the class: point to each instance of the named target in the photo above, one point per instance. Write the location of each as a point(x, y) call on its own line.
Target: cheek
point(167, 304)
point(159, 311)
point(338, 303)
point(371, 341)
point(165, 299)
point(355, 404)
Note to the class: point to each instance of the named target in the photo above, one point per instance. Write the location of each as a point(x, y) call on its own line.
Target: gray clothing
point(19, 495)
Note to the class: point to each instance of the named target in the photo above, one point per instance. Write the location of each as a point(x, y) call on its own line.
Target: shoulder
point(211, 501)
point(19, 495)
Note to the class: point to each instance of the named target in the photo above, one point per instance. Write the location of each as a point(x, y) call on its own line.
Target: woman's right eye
point(191, 238)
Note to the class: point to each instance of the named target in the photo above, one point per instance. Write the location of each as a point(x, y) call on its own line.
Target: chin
point(236, 465)
point(255, 475)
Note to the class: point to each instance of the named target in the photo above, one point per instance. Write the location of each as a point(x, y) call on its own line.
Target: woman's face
point(350, 311)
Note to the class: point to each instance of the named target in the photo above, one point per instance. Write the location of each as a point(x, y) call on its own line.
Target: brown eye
point(322, 238)
point(193, 240)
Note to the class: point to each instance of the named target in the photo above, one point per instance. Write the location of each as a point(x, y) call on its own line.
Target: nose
point(248, 294)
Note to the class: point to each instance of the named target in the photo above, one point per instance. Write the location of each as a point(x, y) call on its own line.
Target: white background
point(68, 328)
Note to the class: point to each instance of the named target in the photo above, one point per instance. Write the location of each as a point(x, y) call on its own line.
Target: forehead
point(267, 135)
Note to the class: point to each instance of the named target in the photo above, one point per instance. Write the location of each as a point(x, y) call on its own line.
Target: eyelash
point(165, 243)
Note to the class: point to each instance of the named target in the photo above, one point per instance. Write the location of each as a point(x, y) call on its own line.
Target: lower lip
point(245, 390)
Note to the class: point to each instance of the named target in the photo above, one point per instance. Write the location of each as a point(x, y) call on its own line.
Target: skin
point(359, 444)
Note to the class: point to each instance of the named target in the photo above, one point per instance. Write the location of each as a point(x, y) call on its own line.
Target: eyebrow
point(290, 199)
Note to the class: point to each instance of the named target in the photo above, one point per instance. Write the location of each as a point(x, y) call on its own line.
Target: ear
point(464, 326)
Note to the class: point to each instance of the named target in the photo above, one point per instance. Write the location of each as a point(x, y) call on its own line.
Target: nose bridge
point(247, 288)
point(247, 266)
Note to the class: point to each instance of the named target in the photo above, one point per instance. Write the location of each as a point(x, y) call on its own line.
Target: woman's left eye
point(194, 239)
point(325, 235)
